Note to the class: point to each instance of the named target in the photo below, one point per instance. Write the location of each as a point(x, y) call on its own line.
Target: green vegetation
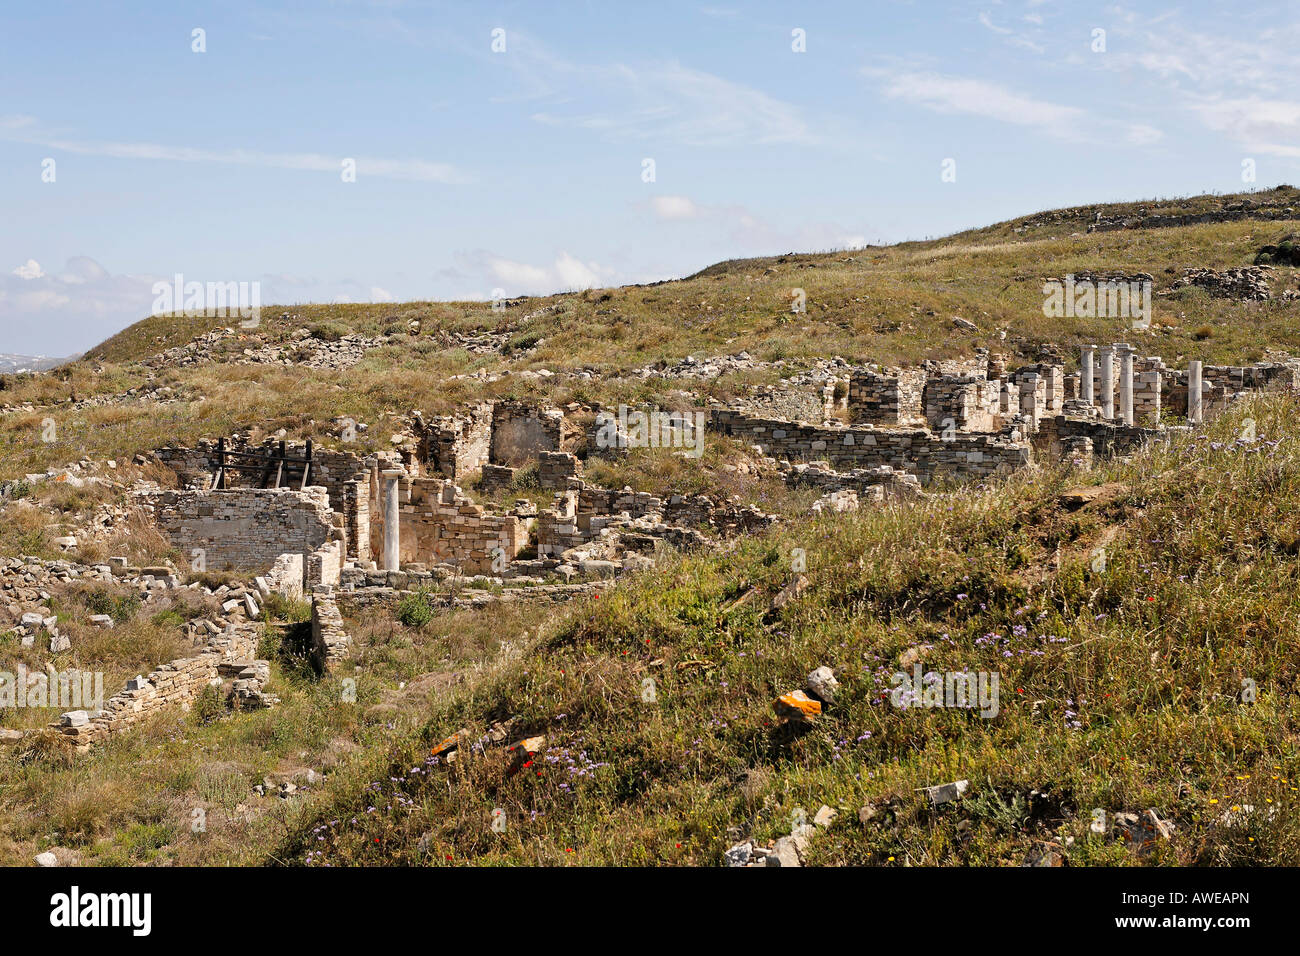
point(1161, 677)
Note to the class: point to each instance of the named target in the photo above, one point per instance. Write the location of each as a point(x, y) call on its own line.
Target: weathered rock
point(825, 816)
point(946, 792)
point(823, 685)
point(785, 852)
point(797, 705)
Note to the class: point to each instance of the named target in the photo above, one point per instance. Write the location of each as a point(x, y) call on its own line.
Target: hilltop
point(1155, 688)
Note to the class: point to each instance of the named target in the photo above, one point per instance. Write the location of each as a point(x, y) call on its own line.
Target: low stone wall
point(361, 599)
point(330, 641)
point(1108, 438)
point(580, 515)
point(496, 477)
point(245, 529)
point(889, 482)
point(174, 684)
point(285, 578)
point(919, 452)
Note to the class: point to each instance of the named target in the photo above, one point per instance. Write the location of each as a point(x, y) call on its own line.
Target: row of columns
point(1107, 396)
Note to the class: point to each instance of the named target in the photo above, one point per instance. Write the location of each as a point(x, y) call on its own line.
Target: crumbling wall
point(556, 468)
point(887, 398)
point(872, 483)
point(580, 515)
point(195, 466)
point(458, 445)
point(969, 404)
point(439, 524)
point(243, 529)
point(520, 431)
point(174, 684)
point(926, 455)
point(330, 641)
point(1056, 434)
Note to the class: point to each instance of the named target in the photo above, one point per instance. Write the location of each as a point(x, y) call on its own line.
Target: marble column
point(1126, 383)
point(1194, 394)
point(392, 520)
point(1107, 382)
point(1085, 374)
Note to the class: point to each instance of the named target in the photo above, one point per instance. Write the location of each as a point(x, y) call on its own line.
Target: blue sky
point(522, 170)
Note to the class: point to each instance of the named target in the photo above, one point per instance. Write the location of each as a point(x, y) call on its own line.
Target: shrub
point(328, 331)
point(414, 610)
point(208, 706)
point(120, 607)
point(1202, 333)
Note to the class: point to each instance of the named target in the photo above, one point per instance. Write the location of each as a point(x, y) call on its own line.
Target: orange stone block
point(798, 705)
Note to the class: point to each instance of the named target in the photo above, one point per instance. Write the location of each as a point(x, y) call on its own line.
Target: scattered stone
point(825, 816)
point(945, 792)
point(823, 685)
point(798, 706)
point(1044, 854)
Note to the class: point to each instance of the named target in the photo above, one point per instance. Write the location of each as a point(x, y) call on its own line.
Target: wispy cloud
point(956, 94)
point(1237, 84)
point(658, 100)
point(25, 129)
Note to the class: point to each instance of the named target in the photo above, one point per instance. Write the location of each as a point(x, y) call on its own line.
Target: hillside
point(1155, 687)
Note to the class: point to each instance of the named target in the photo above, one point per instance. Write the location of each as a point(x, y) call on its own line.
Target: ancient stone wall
point(174, 684)
point(887, 398)
point(195, 466)
point(556, 468)
point(919, 452)
point(520, 431)
point(330, 641)
point(458, 445)
point(866, 482)
point(1055, 435)
point(439, 524)
point(966, 404)
point(244, 528)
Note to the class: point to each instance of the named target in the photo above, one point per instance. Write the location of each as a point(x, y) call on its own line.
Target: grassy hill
point(1160, 679)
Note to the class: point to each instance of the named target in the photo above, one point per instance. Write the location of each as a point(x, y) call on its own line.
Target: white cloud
point(956, 94)
point(31, 269)
point(662, 101)
point(1264, 126)
point(518, 273)
point(23, 129)
point(482, 268)
point(674, 207)
point(1140, 134)
point(575, 274)
point(379, 294)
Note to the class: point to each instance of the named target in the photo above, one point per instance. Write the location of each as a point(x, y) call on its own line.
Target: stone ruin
point(367, 529)
point(403, 512)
